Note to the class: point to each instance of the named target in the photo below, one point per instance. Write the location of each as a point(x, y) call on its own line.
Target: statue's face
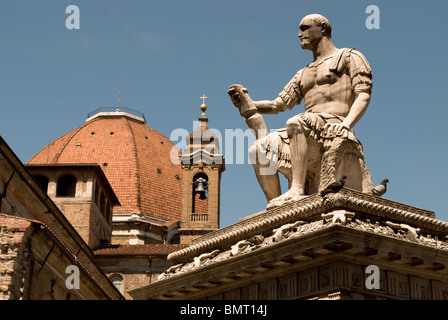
point(309, 33)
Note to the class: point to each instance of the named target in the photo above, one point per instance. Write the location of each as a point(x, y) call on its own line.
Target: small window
point(43, 182)
point(66, 186)
point(117, 281)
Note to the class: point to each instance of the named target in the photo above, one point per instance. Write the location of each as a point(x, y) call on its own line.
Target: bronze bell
point(200, 188)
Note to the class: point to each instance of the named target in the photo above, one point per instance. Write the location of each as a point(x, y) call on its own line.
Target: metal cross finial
point(203, 98)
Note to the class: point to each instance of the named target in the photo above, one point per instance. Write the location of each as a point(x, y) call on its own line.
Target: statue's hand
point(242, 100)
point(234, 96)
point(335, 130)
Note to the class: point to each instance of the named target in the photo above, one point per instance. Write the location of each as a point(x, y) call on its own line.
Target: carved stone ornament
point(339, 216)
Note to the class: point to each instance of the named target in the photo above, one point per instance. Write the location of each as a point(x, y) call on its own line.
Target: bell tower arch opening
point(200, 193)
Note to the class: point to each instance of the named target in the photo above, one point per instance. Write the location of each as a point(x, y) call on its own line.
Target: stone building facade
point(14, 255)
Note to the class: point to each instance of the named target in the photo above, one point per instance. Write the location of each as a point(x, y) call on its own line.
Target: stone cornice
point(317, 242)
point(311, 209)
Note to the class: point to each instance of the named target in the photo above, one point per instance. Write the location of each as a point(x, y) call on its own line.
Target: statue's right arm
point(287, 98)
point(270, 106)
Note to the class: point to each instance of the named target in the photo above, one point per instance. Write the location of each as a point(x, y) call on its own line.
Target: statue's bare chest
point(317, 75)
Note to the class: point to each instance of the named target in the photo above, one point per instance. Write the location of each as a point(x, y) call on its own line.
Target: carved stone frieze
point(373, 224)
point(339, 207)
point(410, 232)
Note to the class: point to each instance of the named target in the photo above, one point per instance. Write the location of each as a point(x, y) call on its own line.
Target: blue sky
point(166, 54)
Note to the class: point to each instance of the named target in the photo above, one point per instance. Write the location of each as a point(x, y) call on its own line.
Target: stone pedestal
point(315, 249)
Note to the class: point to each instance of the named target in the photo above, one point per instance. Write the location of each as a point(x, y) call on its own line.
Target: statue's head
point(312, 29)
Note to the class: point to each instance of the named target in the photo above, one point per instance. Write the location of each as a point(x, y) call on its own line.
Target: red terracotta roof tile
point(144, 249)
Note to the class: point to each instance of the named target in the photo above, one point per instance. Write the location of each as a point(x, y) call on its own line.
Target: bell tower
point(202, 165)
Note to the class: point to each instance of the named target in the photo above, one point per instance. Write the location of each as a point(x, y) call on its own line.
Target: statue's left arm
point(359, 107)
point(361, 79)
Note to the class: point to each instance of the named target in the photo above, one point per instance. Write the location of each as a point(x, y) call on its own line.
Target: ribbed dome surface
point(134, 157)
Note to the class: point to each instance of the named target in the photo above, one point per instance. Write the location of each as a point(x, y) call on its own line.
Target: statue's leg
point(265, 172)
point(299, 159)
point(299, 156)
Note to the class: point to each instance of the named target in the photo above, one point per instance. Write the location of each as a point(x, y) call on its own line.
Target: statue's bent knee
point(293, 126)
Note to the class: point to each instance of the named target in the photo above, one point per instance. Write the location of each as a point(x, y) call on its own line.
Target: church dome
point(134, 157)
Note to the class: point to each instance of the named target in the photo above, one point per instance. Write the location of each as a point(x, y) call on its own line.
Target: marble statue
point(336, 89)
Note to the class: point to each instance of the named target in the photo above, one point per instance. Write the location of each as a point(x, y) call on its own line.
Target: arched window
point(66, 186)
point(175, 239)
point(43, 182)
point(117, 281)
